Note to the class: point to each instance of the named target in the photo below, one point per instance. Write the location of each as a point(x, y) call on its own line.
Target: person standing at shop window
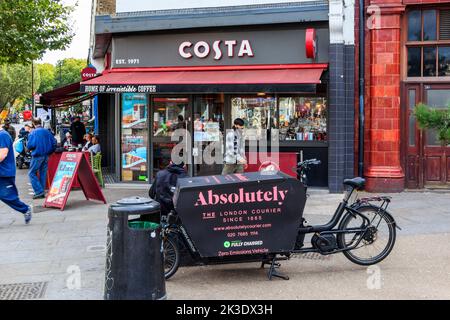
point(42, 143)
point(8, 189)
point(234, 158)
point(77, 130)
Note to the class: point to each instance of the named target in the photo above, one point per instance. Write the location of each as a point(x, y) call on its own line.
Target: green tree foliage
point(28, 28)
point(431, 118)
point(47, 75)
point(15, 83)
point(68, 71)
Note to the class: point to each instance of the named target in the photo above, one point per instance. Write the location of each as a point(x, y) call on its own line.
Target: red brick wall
point(382, 154)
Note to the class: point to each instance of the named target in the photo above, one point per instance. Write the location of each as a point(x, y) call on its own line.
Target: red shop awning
point(270, 78)
point(64, 96)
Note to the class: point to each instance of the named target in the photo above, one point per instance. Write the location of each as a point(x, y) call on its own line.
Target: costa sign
point(311, 43)
point(218, 48)
point(88, 73)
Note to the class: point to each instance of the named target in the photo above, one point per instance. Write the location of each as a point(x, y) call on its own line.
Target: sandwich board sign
point(70, 166)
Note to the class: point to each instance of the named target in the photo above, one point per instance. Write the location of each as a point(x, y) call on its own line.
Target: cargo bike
point(258, 217)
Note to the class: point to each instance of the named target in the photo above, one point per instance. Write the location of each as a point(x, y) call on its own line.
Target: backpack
point(18, 145)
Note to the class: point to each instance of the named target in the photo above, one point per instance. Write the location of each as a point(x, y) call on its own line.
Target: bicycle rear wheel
point(171, 257)
point(376, 242)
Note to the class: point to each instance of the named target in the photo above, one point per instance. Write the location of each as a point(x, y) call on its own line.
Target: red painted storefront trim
point(222, 68)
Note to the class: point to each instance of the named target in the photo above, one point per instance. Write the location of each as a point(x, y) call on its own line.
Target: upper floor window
point(428, 43)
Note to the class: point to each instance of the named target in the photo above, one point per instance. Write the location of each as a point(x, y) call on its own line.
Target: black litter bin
point(134, 259)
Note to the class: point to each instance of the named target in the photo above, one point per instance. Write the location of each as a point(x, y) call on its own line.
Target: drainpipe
point(361, 88)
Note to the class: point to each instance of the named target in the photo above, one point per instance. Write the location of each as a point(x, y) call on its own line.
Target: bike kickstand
point(273, 272)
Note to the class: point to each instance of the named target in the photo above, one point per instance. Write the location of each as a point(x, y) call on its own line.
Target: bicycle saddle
point(357, 183)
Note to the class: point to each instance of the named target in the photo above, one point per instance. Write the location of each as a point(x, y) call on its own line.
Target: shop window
point(168, 115)
point(427, 44)
point(258, 113)
point(302, 118)
point(208, 118)
point(429, 25)
point(444, 61)
point(436, 99)
point(414, 25)
point(429, 61)
point(134, 137)
point(414, 62)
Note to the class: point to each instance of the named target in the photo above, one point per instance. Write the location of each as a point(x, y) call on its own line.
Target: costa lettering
point(211, 198)
point(203, 49)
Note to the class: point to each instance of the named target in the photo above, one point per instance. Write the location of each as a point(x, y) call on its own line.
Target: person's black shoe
point(39, 196)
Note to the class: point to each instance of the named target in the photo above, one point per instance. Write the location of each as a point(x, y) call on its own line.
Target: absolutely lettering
point(211, 198)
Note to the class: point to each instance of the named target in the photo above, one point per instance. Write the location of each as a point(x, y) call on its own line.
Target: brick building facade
point(403, 67)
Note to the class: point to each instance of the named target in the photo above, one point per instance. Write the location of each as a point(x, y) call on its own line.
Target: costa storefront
point(272, 75)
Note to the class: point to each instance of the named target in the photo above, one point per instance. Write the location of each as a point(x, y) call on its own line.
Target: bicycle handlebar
point(304, 164)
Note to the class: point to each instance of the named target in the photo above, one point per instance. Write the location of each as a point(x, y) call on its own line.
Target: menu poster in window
point(134, 110)
point(209, 133)
point(134, 137)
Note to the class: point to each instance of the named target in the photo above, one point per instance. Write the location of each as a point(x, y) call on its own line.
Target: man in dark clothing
point(42, 143)
point(10, 129)
point(77, 130)
point(161, 189)
point(8, 189)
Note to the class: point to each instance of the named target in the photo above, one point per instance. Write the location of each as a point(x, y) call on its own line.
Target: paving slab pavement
point(62, 247)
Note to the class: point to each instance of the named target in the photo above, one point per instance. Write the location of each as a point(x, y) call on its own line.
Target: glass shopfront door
point(168, 115)
point(208, 127)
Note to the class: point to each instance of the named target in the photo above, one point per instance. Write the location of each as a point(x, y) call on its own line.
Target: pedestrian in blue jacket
point(8, 189)
point(42, 143)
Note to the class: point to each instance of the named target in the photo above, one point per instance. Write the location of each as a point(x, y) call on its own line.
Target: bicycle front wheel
point(171, 257)
point(375, 243)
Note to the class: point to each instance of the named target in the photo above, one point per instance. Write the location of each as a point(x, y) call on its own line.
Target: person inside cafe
point(95, 148)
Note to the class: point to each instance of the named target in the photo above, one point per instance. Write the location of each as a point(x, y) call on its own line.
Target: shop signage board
point(241, 214)
point(249, 46)
point(197, 88)
point(88, 73)
point(70, 166)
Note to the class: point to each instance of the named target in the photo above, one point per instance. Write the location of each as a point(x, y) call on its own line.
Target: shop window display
point(258, 113)
point(134, 137)
point(168, 115)
point(303, 118)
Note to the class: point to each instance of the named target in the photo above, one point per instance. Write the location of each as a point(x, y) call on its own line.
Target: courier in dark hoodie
point(164, 181)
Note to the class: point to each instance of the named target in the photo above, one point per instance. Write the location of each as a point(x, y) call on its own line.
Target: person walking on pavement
point(234, 159)
point(77, 130)
point(42, 143)
point(10, 129)
point(8, 190)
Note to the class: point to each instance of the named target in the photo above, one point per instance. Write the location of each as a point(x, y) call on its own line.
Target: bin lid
point(134, 201)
